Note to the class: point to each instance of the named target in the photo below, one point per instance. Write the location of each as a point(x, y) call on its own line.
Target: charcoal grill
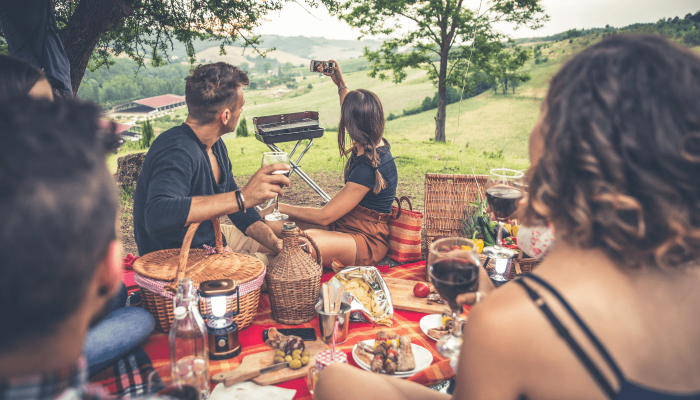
point(297, 127)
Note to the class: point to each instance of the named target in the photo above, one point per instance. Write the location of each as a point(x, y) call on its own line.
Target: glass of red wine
point(270, 158)
point(180, 384)
point(454, 270)
point(504, 189)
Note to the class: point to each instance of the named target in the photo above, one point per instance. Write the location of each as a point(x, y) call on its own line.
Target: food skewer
point(338, 300)
point(326, 298)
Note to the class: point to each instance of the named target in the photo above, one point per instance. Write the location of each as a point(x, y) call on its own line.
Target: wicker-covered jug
point(293, 279)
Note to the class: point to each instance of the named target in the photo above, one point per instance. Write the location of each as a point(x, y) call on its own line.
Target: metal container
point(326, 323)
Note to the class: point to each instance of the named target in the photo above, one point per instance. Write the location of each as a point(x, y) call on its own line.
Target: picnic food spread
point(445, 329)
point(390, 353)
point(289, 349)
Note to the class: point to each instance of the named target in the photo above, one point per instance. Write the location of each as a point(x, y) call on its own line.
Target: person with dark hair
point(60, 254)
point(612, 311)
point(187, 174)
point(29, 27)
point(19, 78)
point(106, 341)
point(353, 227)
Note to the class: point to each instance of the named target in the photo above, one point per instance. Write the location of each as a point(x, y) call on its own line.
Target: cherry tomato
point(421, 289)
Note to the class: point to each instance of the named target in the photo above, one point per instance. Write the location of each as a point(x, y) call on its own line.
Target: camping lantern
point(222, 330)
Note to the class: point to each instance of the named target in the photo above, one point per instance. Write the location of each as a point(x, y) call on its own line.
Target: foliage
point(441, 30)
point(147, 134)
point(120, 83)
point(242, 130)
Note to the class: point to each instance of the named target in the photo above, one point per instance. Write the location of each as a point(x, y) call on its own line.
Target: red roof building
point(152, 105)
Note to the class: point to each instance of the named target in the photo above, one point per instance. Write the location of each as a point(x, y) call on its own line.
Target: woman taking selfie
point(357, 217)
point(613, 311)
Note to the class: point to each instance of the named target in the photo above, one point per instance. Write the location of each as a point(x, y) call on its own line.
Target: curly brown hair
point(210, 88)
point(620, 169)
point(362, 117)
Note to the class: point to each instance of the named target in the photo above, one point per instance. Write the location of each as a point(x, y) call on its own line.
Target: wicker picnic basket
point(294, 279)
point(446, 197)
point(158, 274)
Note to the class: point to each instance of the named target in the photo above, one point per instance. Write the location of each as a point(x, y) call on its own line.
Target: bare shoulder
point(505, 333)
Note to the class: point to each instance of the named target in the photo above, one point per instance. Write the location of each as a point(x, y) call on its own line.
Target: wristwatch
point(342, 87)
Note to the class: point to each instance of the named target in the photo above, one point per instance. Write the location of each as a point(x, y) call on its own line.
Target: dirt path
point(300, 194)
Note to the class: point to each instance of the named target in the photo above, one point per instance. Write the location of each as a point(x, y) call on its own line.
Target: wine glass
point(270, 158)
point(504, 189)
point(454, 270)
point(180, 383)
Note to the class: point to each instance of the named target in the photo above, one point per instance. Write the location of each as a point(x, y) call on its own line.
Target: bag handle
point(400, 202)
point(405, 198)
point(319, 259)
point(398, 213)
point(185, 251)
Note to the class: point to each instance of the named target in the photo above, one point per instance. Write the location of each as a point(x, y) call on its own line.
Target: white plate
point(431, 321)
point(422, 356)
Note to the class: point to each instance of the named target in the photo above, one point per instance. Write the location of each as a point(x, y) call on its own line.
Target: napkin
point(250, 391)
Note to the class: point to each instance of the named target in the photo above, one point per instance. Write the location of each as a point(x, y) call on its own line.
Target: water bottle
point(189, 356)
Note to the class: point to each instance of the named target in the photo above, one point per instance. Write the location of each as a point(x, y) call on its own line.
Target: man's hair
point(58, 209)
point(210, 88)
point(621, 156)
point(17, 77)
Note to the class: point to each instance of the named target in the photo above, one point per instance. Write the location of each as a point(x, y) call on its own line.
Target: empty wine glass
point(504, 189)
point(270, 158)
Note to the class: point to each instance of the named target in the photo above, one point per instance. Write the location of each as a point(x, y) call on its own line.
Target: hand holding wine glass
point(454, 270)
point(504, 189)
point(271, 158)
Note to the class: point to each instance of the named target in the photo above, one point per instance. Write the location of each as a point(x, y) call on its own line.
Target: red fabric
point(405, 323)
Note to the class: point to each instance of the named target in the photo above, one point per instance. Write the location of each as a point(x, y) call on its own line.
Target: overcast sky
point(294, 20)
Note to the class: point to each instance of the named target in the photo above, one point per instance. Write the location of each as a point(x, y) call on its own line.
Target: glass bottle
point(189, 355)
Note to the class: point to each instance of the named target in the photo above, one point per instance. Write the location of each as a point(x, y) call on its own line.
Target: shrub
point(391, 117)
point(242, 130)
point(147, 134)
point(310, 86)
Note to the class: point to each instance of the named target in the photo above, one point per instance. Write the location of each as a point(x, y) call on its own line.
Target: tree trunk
point(505, 85)
point(442, 97)
point(90, 19)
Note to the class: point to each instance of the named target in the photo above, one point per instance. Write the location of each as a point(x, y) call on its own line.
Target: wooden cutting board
point(403, 299)
point(264, 359)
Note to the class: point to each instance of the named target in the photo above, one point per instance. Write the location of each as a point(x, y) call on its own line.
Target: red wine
point(454, 276)
point(182, 392)
point(503, 200)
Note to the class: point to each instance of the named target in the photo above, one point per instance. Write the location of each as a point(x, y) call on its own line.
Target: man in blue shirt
point(187, 174)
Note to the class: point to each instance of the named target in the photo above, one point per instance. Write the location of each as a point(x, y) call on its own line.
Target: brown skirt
point(370, 230)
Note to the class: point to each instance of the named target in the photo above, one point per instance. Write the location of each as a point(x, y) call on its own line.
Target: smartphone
point(306, 334)
point(321, 66)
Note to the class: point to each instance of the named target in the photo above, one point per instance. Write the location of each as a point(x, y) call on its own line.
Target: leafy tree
point(147, 134)
point(147, 29)
point(242, 130)
point(244, 66)
point(507, 65)
point(440, 34)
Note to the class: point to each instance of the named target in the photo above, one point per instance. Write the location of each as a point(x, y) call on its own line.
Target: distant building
point(152, 106)
point(128, 132)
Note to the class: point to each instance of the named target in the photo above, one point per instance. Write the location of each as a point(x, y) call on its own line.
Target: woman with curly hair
point(353, 226)
point(612, 312)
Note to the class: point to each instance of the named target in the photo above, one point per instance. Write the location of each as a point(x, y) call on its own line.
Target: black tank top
point(628, 390)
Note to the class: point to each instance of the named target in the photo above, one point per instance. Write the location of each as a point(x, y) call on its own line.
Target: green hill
point(483, 132)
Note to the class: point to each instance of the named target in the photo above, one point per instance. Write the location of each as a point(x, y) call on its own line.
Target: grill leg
point(295, 167)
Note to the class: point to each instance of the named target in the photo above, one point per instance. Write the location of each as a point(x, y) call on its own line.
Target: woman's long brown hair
point(362, 117)
point(620, 169)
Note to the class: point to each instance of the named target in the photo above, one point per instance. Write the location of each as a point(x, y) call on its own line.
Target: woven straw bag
point(405, 232)
point(159, 273)
point(293, 280)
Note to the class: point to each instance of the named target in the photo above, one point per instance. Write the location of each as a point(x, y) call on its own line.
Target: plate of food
point(392, 355)
point(435, 326)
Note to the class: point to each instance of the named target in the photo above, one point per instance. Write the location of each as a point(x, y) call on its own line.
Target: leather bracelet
point(341, 88)
point(241, 201)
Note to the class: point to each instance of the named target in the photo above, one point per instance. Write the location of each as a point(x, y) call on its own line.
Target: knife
point(233, 377)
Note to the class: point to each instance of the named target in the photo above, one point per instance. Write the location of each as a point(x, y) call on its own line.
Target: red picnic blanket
point(405, 323)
